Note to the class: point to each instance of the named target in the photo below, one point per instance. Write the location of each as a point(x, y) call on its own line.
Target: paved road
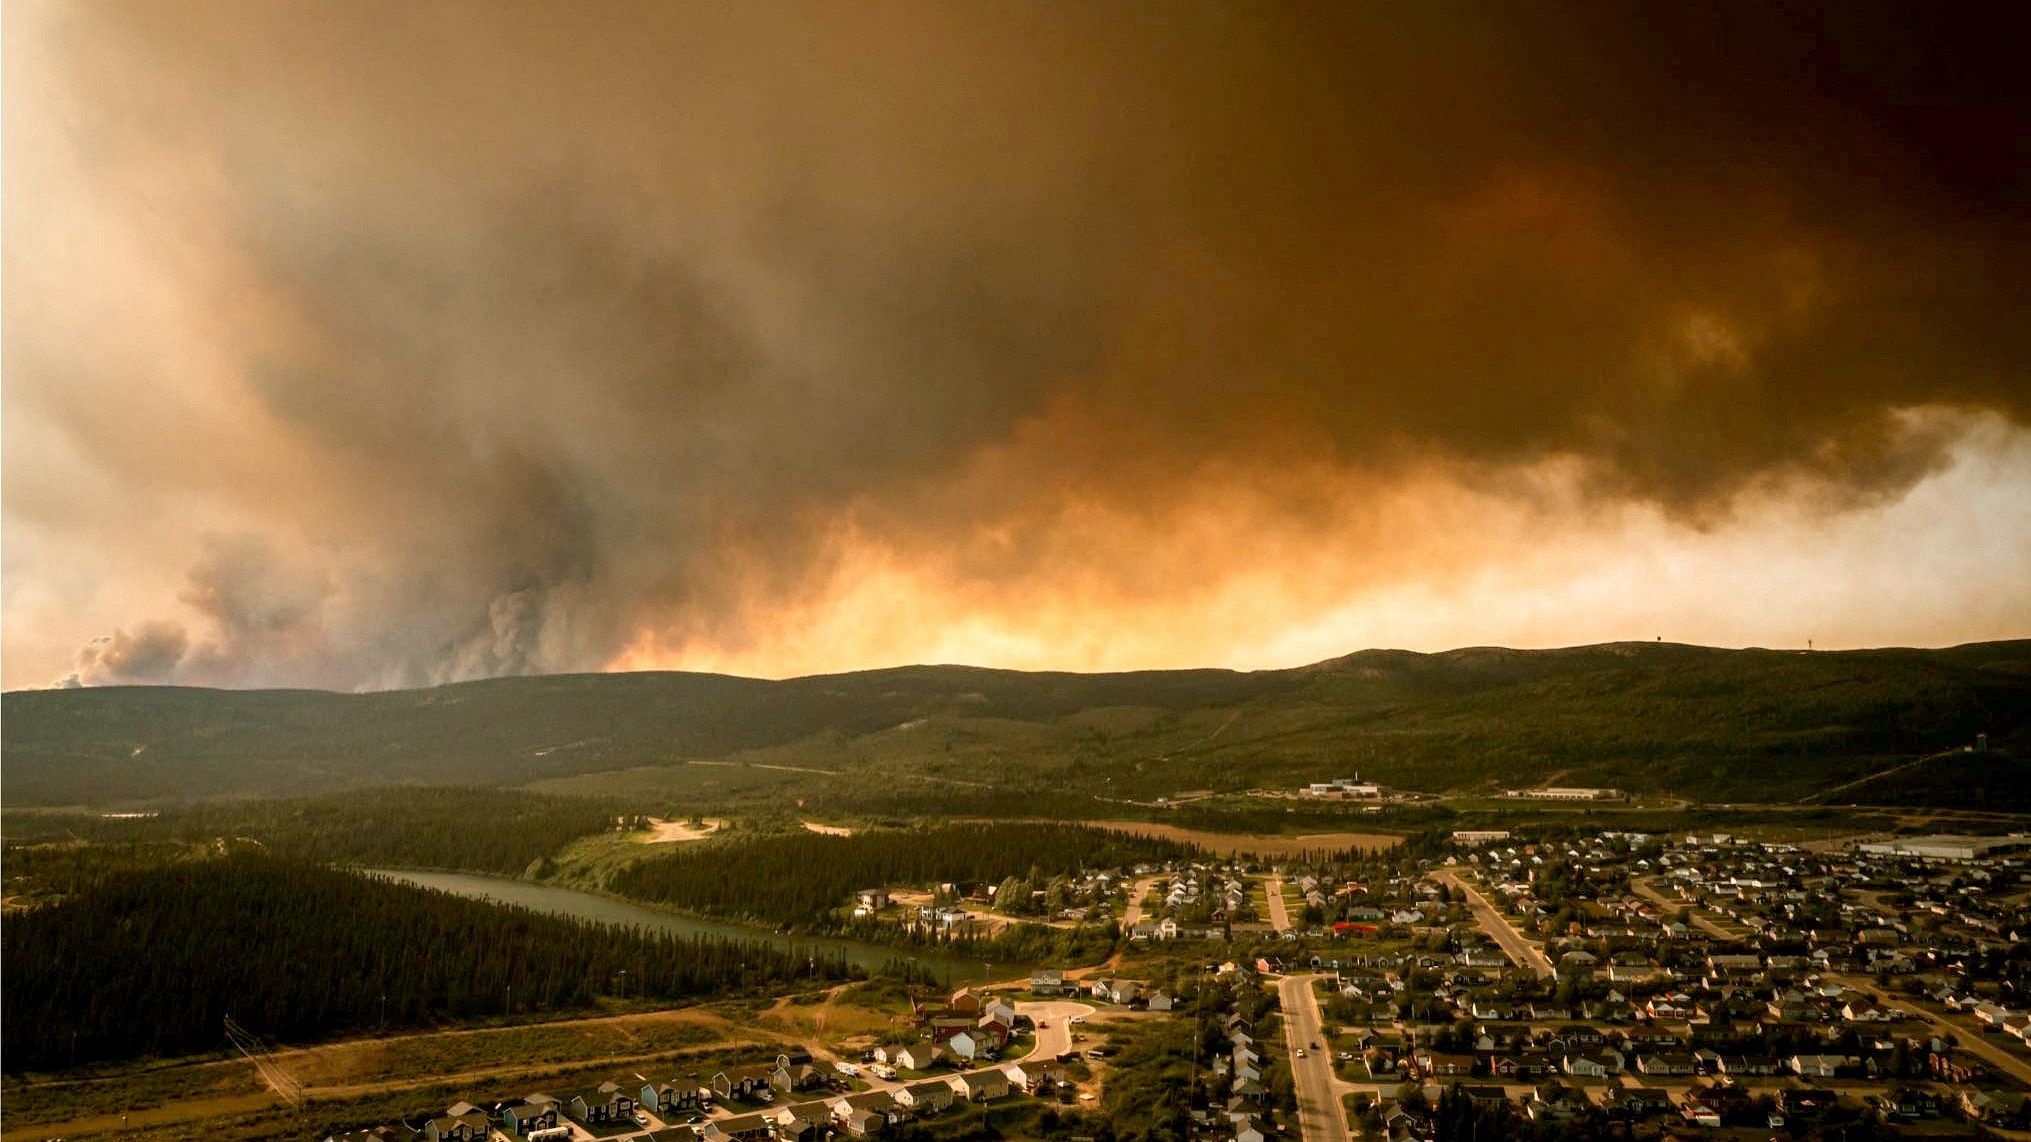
point(1648, 888)
point(1055, 1039)
point(1321, 1117)
point(1970, 1039)
point(1520, 951)
point(1279, 916)
point(1132, 915)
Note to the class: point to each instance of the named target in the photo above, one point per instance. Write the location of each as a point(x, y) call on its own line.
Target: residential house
point(1993, 1105)
point(917, 1056)
point(800, 1077)
point(664, 1098)
point(742, 1083)
point(869, 1112)
point(925, 1097)
point(1594, 1064)
point(1667, 1063)
point(1051, 981)
point(803, 1124)
point(970, 1045)
point(533, 1112)
point(461, 1122)
point(1637, 1101)
point(739, 1128)
point(607, 1103)
point(1557, 1102)
point(980, 1086)
point(1817, 1066)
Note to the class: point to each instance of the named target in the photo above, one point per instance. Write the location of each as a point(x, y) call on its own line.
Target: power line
point(280, 1081)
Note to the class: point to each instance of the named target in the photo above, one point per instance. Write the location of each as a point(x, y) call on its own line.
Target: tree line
point(150, 963)
point(478, 830)
point(803, 878)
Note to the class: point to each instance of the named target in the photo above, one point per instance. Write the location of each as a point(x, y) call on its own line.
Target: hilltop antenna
point(280, 1081)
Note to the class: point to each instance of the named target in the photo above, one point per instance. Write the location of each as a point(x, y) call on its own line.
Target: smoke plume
point(376, 344)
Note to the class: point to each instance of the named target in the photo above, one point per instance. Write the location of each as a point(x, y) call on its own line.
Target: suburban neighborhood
point(1591, 983)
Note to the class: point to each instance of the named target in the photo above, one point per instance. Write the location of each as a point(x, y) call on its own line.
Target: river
point(606, 910)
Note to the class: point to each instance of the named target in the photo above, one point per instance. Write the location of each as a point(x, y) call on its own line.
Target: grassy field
point(1260, 844)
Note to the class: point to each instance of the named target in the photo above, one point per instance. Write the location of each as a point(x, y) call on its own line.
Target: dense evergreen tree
point(151, 962)
point(481, 830)
point(796, 879)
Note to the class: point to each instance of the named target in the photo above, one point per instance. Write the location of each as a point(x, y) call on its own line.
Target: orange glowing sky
point(382, 344)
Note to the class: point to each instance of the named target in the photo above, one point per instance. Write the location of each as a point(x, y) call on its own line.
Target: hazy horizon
point(1816, 648)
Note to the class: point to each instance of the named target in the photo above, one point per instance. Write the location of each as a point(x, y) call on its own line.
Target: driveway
point(1321, 1117)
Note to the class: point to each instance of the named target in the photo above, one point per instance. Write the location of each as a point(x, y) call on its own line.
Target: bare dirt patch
point(829, 830)
point(668, 832)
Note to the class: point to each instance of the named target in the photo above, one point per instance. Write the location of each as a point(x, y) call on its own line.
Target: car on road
point(1043, 1024)
point(1301, 1052)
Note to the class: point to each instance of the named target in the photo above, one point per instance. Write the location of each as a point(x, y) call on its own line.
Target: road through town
point(1321, 1117)
point(1132, 915)
point(1279, 916)
point(1966, 1034)
point(1520, 951)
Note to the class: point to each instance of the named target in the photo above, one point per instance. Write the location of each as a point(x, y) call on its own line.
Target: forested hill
point(1694, 720)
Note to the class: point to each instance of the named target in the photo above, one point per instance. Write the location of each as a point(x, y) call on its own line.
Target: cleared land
point(670, 832)
point(1261, 844)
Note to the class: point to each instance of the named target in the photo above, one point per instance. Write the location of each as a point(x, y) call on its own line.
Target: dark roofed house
point(663, 1098)
point(741, 1082)
point(739, 1128)
point(606, 1104)
point(533, 1112)
point(790, 1077)
point(461, 1122)
point(925, 1097)
point(981, 1086)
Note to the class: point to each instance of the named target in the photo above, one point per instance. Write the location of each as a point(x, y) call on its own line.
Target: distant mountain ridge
point(1696, 721)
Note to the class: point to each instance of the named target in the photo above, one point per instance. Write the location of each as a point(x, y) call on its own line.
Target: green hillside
point(1699, 722)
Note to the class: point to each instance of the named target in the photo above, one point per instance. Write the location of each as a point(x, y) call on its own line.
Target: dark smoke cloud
point(561, 323)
